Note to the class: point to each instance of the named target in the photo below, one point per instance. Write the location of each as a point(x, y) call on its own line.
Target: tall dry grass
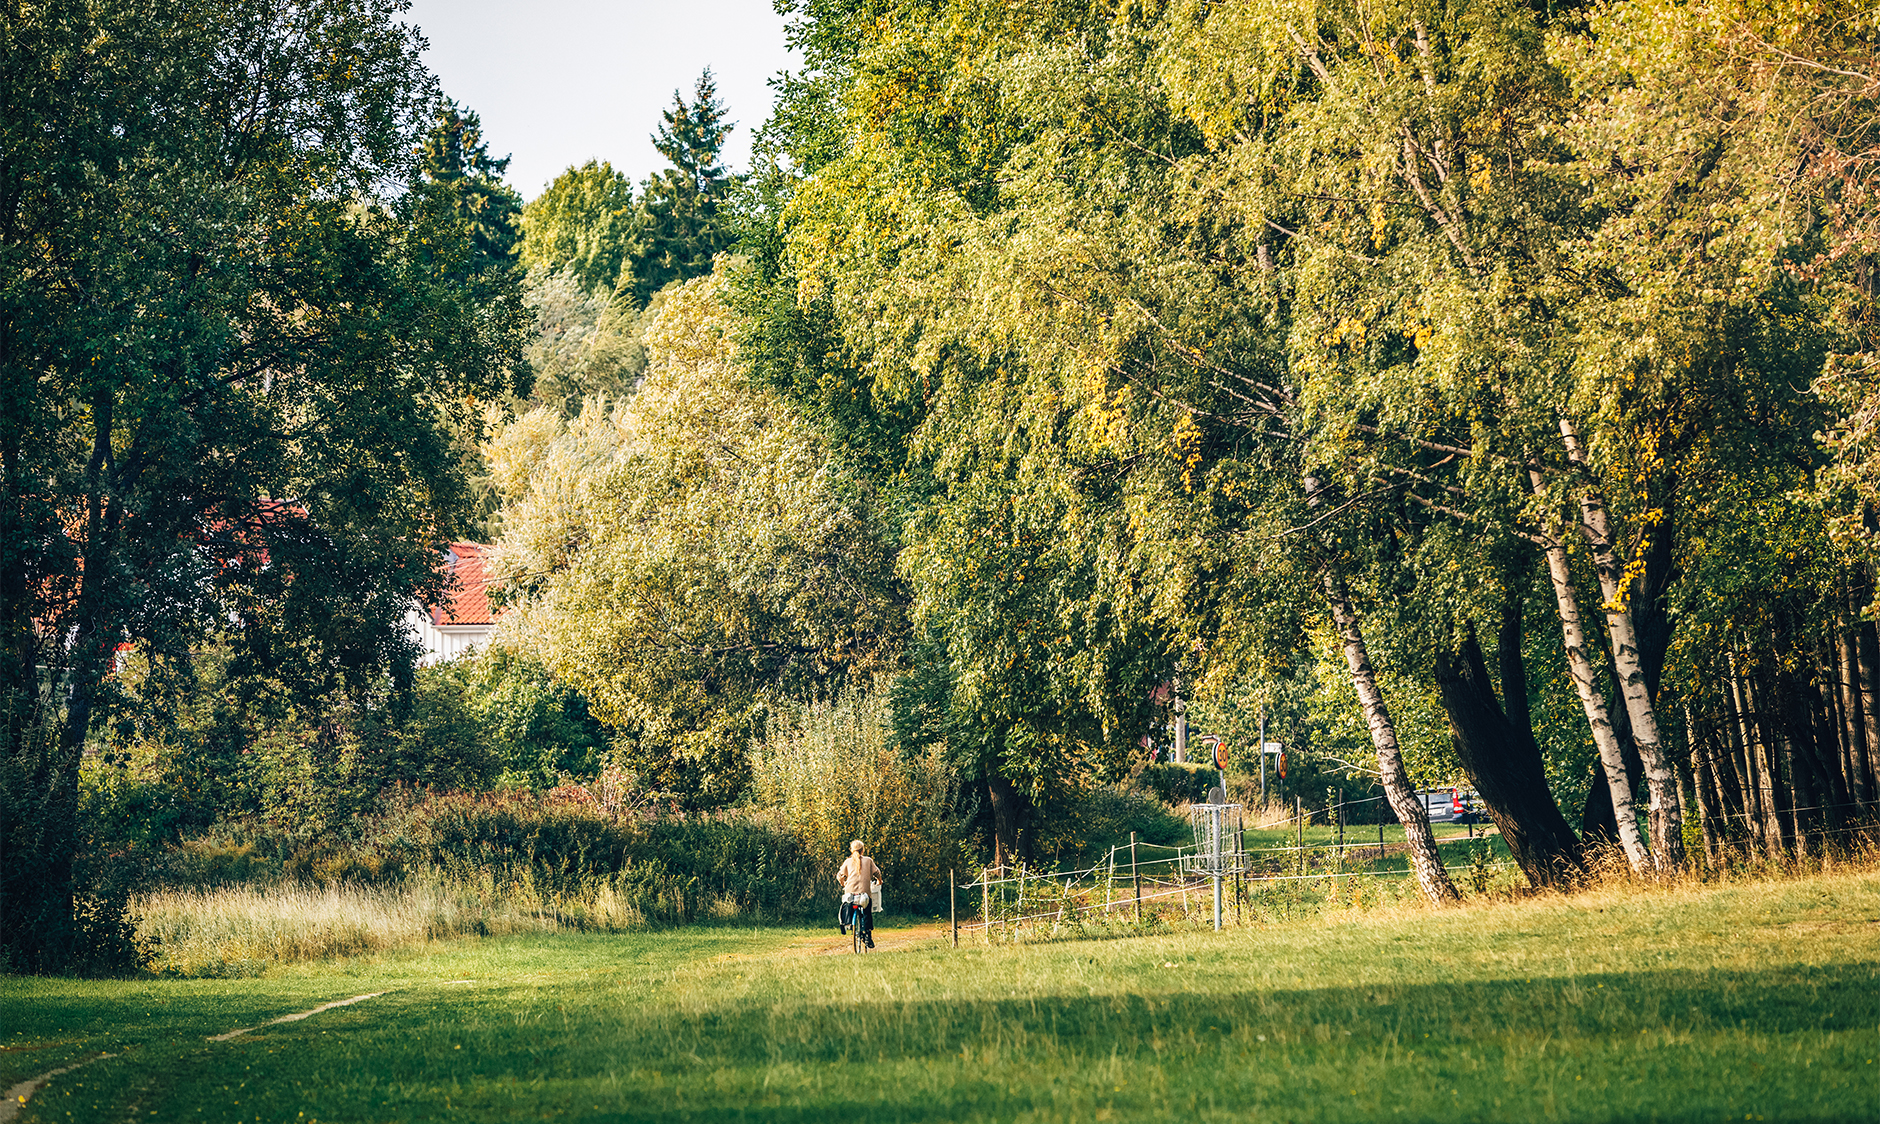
point(831, 775)
point(241, 930)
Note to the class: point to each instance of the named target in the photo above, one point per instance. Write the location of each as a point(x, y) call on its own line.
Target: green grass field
point(1753, 1001)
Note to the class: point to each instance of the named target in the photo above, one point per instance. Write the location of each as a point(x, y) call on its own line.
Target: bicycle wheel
point(861, 946)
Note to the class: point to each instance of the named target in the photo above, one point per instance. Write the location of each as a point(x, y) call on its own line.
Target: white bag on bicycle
point(874, 897)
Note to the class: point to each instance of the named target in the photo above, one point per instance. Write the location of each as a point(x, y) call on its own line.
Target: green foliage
point(587, 344)
point(457, 159)
point(536, 730)
point(215, 740)
point(583, 223)
point(233, 747)
point(692, 558)
point(1081, 832)
point(1175, 783)
point(682, 227)
point(241, 332)
point(832, 775)
point(1091, 293)
point(566, 845)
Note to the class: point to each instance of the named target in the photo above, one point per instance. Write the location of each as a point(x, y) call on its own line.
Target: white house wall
point(448, 642)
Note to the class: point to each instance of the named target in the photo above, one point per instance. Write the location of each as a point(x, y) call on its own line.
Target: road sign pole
point(1263, 757)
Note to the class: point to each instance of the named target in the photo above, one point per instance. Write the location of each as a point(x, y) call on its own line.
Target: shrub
point(832, 775)
point(559, 853)
point(1085, 829)
point(534, 728)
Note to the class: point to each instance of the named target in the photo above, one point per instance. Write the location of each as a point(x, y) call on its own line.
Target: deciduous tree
point(691, 556)
point(231, 332)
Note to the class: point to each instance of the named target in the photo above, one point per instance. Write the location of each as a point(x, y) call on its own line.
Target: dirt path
point(296, 1016)
point(18, 1095)
point(886, 940)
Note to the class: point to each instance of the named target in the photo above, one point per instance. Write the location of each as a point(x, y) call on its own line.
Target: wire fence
point(1859, 811)
point(1142, 883)
point(1756, 834)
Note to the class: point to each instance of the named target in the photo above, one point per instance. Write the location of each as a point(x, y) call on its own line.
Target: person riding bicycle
point(855, 876)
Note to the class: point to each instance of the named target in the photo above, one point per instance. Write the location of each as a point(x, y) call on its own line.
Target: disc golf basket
point(1218, 853)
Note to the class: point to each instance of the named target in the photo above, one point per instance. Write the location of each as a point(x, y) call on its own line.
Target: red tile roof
point(468, 601)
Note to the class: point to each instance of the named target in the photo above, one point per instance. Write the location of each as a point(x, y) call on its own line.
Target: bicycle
point(850, 917)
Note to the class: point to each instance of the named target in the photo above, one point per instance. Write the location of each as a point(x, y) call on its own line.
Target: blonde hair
point(855, 846)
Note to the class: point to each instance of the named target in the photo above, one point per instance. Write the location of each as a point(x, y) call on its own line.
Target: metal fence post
point(1240, 879)
point(1018, 908)
point(985, 905)
point(1135, 879)
point(1299, 819)
point(1109, 886)
point(953, 903)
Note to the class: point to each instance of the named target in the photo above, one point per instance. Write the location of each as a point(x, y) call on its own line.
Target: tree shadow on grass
point(1673, 1044)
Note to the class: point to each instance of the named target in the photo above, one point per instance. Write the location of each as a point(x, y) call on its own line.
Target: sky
point(559, 82)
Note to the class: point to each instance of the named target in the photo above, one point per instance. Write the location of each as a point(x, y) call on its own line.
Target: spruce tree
point(680, 225)
point(457, 159)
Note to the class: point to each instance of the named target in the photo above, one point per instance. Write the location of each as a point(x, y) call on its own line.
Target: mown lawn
point(1743, 1002)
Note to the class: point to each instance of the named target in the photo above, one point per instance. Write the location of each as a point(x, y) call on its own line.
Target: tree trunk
point(1008, 819)
point(1770, 744)
point(1853, 721)
point(1398, 790)
point(1709, 798)
point(1738, 809)
point(1611, 755)
point(1687, 780)
point(1868, 665)
point(1596, 816)
point(1832, 782)
point(1504, 763)
point(1779, 750)
point(1759, 799)
point(1597, 823)
point(1834, 737)
point(1619, 586)
point(1798, 729)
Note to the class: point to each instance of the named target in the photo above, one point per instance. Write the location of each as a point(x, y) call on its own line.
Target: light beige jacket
point(856, 873)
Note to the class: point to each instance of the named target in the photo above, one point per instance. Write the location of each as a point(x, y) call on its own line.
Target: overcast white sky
point(558, 82)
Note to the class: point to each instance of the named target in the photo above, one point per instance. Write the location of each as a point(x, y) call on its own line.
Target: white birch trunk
point(1666, 813)
point(1592, 700)
point(1424, 857)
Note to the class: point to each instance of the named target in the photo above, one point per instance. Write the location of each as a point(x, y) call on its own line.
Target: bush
point(558, 851)
point(832, 776)
point(1082, 833)
point(214, 743)
point(534, 729)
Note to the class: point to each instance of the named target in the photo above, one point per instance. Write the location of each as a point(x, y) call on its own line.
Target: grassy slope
point(1759, 1001)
